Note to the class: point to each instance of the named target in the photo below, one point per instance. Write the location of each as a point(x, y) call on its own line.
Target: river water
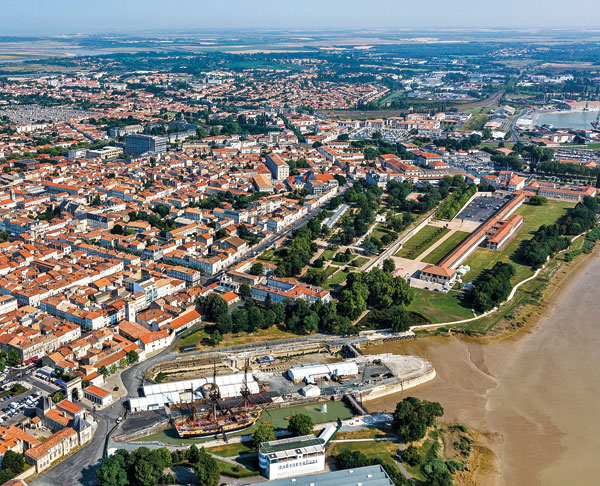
point(538, 395)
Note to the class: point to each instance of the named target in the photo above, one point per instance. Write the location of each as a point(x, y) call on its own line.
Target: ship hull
point(186, 430)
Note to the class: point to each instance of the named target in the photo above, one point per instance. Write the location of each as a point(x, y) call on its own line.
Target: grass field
point(236, 471)
point(370, 433)
point(446, 247)
point(232, 450)
point(379, 231)
point(359, 262)
point(534, 217)
point(338, 278)
point(327, 254)
point(330, 270)
point(409, 250)
point(385, 451)
point(437, 307)
point(232, 339)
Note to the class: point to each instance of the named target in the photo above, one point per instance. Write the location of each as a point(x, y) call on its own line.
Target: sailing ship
point(219, 422)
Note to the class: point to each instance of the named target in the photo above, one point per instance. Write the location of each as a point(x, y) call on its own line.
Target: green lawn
point(379, 231)
point(232, 450)
point(360, 261)
point(338, 278)
point(534, 217)
point(235, 471)
point(195, 337)
point(327, 254)
point(330, 270)
point(421, 241)
point(446, 247)
point(438, 307)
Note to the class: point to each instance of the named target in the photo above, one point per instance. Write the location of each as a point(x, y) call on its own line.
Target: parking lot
point(14, 409)
point(482, 208)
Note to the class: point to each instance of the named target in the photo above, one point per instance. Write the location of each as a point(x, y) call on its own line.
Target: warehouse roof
point(365, 476)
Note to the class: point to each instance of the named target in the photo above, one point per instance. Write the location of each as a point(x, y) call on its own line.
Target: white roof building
point(343, 368)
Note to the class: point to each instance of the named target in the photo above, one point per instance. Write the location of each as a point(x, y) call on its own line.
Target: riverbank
point(515, 388)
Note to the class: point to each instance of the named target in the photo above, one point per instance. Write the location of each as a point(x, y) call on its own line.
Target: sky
point(121, 16)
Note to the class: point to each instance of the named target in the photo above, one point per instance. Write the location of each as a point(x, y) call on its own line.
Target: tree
point(439, 477)
point(117, 229)
point(400, 319)
point(538, 200)
point(145, 473)
point(132, 356)
point(245, 290)
point(214, 306)
point(193, 454)
point(13, 461)
point(113, 368)
point(412, 417)
point(300, 424)
point(113, 471)
point(13, 358)
point(207, 470)
point(223, 323)
point(122, 362)
point(2, 364)
point(216, 338)
point(57, 397)
point(103, 371)
point(410, 455)
point(263, 433)
point(257, 269)
point(389, 266)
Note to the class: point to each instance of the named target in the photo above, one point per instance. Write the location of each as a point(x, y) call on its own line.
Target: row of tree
point(455, 201)
point(492, 286)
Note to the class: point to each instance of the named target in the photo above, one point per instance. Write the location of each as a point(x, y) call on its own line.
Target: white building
point(318, 370)
point(293, 456)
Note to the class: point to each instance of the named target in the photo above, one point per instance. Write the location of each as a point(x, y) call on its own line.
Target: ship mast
point(245, 391)
point(214, 393)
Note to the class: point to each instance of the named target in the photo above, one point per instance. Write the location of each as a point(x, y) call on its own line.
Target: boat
point(222, 425)
point(219, 422)
point(596, 123)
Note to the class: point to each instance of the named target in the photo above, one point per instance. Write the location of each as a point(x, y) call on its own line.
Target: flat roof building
point(292, 456)
point(140, 144)
point(365, 476)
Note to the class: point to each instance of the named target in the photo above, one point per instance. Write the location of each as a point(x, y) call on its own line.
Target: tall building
point(139, 144)
point(280, 171)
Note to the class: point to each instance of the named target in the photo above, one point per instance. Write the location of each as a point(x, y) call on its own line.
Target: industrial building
point(186, 391)
point(314, 371)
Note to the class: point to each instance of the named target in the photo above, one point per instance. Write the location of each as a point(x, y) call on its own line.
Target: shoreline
point(470, 368)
